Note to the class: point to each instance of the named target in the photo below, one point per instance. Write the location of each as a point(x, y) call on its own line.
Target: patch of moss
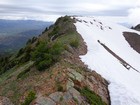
point(91, 97)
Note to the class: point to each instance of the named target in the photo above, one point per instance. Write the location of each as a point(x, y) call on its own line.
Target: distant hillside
point(12, 27)
point(137, 27)
point(15, 33)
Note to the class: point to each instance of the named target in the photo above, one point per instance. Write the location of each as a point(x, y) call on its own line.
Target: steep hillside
point(48, 71)
point(113, 52)
point(12, 27)
point(15, 33)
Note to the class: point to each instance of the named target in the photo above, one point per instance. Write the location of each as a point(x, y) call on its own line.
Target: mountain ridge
point(48, 70)
point(78, 61)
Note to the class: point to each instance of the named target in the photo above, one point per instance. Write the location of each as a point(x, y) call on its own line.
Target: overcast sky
point(51, 9)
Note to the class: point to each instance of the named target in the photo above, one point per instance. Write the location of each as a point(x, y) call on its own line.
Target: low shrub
point(60, 88)
point(30, 41)
point(54, 31)
point(31, 96)
point(20, 52)
point(66, 18)
point(42, 65)
point(46, 55)
point(91, 97)
point(74, 43)
point(26, 57)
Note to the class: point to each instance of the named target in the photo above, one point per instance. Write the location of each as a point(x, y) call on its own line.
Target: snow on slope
point(124, 84)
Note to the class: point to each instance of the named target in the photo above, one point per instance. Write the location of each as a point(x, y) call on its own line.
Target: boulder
point(44, 101)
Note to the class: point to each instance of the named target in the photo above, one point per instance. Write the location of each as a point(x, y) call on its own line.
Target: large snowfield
point(124, 84)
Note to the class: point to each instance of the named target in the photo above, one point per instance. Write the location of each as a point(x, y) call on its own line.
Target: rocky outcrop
point(133, 39)
point(70, 97)
point(99, 85)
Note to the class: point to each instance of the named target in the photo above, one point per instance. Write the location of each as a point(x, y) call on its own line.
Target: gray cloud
point(44, 8)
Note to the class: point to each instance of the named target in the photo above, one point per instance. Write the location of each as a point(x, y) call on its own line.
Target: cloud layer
point(50, 9)
point(134, 16)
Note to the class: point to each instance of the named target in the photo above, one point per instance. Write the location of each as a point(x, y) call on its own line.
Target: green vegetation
point(20, 52)
point(74, 43)
point(61, 98)
point(23, 56)
point(30, 41)
point(3, 61)
point(76, 100)
point(21, 74)
point(66, 18)
point(6, 64)
point(29, 98)
point(46, 54)
point(55, 31)
point(63, 19)
point(91, 97)
point(60, 88)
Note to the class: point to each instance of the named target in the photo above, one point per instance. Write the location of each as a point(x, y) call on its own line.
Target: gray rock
point(5, 101)
point(67, 96)
point(76, 95)
point(75, 75)
point(56, 96)
point(73, 91)
point(93, 79)
point(70, 84)
point(63, 103)
point(44, 101)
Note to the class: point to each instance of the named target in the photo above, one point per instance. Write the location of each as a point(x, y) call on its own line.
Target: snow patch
point(124, 84)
